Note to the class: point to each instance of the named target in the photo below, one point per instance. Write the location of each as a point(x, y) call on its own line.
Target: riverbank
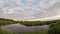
point(26, 23)
point(31, 27)
point(22, 29)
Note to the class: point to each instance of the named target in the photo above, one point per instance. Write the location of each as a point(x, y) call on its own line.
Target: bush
point(54, 28)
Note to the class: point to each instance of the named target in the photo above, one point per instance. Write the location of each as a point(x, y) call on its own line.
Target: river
point(19, 28)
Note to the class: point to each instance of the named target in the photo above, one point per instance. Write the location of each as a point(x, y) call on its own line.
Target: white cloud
point(57, 17)
point(30, 10)
point(8, 11)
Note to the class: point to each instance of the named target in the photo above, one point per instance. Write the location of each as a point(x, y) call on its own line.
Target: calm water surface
point(22, 28)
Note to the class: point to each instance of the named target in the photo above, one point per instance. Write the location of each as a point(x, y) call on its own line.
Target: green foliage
point(36, 32)
point(6, 21)
point(27, 23)
point(33, 23)
point(36, 23)
point(3, 31)
point(54, 28)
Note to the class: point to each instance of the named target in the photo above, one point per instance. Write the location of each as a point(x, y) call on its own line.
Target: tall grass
point(3, 31)
point(36, 32)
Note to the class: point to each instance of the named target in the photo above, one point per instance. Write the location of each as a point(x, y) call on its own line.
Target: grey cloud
point(25, 14)
point(55, 8)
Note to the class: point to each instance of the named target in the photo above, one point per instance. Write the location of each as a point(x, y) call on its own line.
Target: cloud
point(29, 9)
point(55, 8)
point(57, 17)
point(8, 11)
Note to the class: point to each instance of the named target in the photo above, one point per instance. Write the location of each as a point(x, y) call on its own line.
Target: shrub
point(54, 28)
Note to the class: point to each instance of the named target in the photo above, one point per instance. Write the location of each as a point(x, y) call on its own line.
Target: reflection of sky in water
point(25, 9)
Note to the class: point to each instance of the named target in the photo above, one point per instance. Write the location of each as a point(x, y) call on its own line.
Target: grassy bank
point(6, 21)
point(3, 31)
point(36, 23)
point(27, 23)
point(36, 32)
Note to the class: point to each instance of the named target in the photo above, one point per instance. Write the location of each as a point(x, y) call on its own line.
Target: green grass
point(3, 31)
point(36, 32)
point(54, 28)
point(6, 21)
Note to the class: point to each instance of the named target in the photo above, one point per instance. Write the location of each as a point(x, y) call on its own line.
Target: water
point(19, 28)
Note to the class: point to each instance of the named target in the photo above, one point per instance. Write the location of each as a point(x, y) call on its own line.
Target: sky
point(29, 9)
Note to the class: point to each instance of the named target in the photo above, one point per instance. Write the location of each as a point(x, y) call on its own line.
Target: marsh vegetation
point(54, 26)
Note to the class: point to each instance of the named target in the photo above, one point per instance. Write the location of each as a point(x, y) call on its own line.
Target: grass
point(54, 28)
point(35, 23)
point(3, 31)
point(27, 23)
point(36, 32)
point(6, 21)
